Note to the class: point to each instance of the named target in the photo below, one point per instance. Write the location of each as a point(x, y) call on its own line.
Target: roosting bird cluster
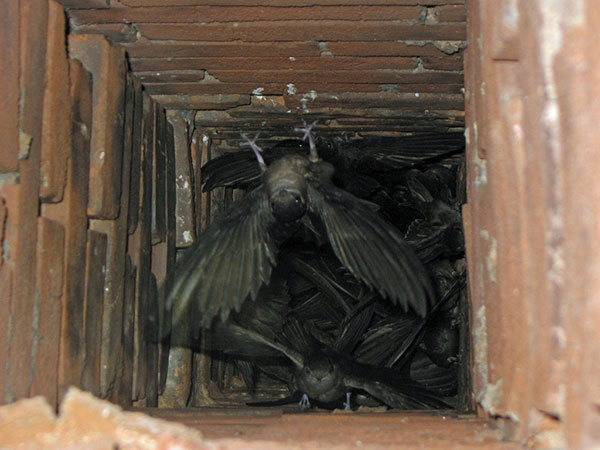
point(339, 272)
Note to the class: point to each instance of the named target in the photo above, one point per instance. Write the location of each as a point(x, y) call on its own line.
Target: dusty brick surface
point(136, 155)
point(95, 267)
point(48, 310)
point(159, 173)
point(9, 87)
point(85, 3)
point(283, 2)
point(125, 393)
point(56, 122)
point(211, 102)
point(107, 65)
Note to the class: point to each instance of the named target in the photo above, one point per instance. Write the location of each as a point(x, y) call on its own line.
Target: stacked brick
point(87, 204)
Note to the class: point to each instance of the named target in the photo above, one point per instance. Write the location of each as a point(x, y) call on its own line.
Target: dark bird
point(235, 255)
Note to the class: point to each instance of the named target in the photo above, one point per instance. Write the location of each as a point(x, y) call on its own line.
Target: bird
point(235, 255)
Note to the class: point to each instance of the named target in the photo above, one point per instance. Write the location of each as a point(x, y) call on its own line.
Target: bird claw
point(257, 150)
point(304, 402)
point(347, 406)
point(314, 157)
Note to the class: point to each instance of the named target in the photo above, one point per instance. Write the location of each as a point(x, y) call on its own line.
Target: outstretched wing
point(370, 248)
point(231, 259)
point(410, 396)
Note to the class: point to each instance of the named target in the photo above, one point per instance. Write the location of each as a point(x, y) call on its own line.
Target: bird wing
point(370, 248)
point(233, 257)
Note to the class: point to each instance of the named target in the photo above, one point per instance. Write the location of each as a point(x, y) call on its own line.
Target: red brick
point(23, 200)
point(107, 65)
point(6, 289)
point(136, 155)
point(282, 2)
point(300, 88)
point(451, 13)
point(72, 213)
point(208, 14)
point(178, 49)
point(275, 63)
point(349, 76)
point(95, 268)
point(445, 63)
point(159, 172)
point(326, 30)
point(9, 86)
point(186, 224)
point(202, 102)
point(378, 100)
point(56, 123)
point(85, 3)
point(140, 251)
point(116, 231)
point(385, 48)
point(126, 384)
point(48, 310)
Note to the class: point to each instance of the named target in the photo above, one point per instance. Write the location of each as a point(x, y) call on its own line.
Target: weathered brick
point(355, 76)
point(379, 100)
point(177, 49)
point(451, 13)
point(6, 278)
point(72, 213)
point(212, 13)
point(85, 3)
point(48, 310)
point(23, 200)
point(275, 63)
point(9, 86)
point(151, 359)
point(284, 2)
point(326, 30)
point(140, 251)
point(107, 65)
point(201, 89)
point(211, 102)
point(446, 63)
point(184, 212)
point(126, 384)
point(95, 268)
point(56, 122)
point(136, 155)
point(116, 231)
point(383, 48)
point(159, 168)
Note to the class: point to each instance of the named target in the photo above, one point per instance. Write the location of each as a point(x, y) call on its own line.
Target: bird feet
point(257, 150)
point(314, 157)
point(304, 402)
point(347, 406)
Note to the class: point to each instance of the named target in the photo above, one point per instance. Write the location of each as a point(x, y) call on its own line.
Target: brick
point(179, 49)
point(23, 200)
point(159, 167)
point(152, 353)
point(136, 155)
point(208, 14)
point(56, 122)
point(9, 86)
point(126, 384)
point(325, 30)
point(116, 232)
point(384, 48)
point(140, 251)
point(202, 102)
point(201, 147)
point(48, 310)
point(184, 210)
point(451, 13)
point(95, 267)
point(354, 76)
point(446, 63)
point(192, 89)
point(137, 3)
point(6, 278)
point(107, 65)
point(274, 63)
point(72, 213)
point(85, 3)
point(379, 100)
